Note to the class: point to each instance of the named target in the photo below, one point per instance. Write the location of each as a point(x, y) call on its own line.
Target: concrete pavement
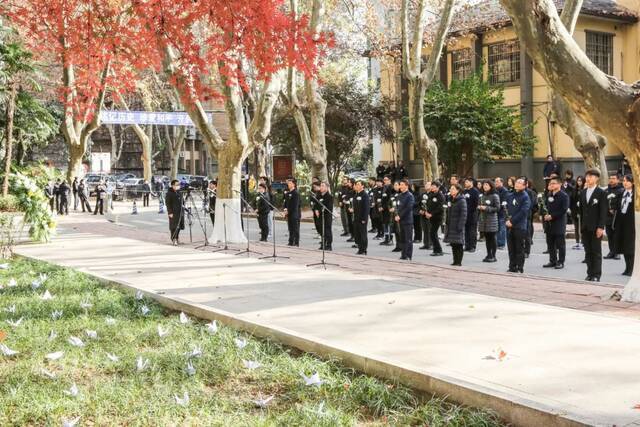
point(534, 363)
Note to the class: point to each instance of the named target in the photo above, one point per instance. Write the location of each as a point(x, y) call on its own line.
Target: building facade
point(483, 40)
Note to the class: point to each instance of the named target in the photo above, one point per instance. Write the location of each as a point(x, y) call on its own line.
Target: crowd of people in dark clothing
point(60, 195)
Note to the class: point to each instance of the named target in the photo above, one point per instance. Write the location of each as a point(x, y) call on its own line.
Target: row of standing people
point(59, 195)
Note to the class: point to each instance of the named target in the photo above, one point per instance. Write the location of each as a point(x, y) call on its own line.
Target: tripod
point(248, 250)
point(224, 226)
point(273, 231)
point(324, 242)
point(204, 229)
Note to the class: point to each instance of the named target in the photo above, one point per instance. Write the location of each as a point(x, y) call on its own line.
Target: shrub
point(9, 203)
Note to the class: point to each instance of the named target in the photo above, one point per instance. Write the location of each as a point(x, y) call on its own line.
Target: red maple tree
point(101, 45)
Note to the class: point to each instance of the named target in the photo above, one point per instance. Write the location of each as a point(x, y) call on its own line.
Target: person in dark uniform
point(384, 209)
point(518, 211)
point(372, 212)
point(488, 209)
point(614, 197)
point(314, 205)
point(348, 201)
point(101, 195)
point(593, 212)
point(211, 196)
point(393, 210)
point(56, 193)
point(83, 195)
point(74, 189)
point(422, 202)
point(626, 226)
point(343, 208)
point(292, 212)
point(325, 200)
point(472, 195)
point(146, 193)
point(262, 207)
point(456, 220)
point(64, 191)
point(360, 217)
point(174, 211)
point(550, 168)
point(380, 170)
point(533, 209)
point(50, 193)
point(434, 212)
point(401, 172)
point(556, 217)
point(501, 237)
point(417, 236)
point(404, 218)
point(377, 204)
point(575, 211)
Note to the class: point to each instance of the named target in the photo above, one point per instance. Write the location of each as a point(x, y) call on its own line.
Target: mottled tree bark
point(607, 104)
point(419, 80)
point(312, 134)
point(589, 143)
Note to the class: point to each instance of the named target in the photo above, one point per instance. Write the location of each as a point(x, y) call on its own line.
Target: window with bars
point(599, 50)
point(504, 62)
point(461, 64)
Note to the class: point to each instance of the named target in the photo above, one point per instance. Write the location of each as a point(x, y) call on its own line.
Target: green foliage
point(34, 204)
point(470, 118)
point(9, 203)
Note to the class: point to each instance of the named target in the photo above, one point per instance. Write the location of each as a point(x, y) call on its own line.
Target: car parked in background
point(198, 181)
point(133, 187)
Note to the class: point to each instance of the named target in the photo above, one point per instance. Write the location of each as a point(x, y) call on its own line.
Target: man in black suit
point(556, 218)
point(593, 211)
point(472, 195)
point(614, 200)
point(174, 211)
point(404, 217)
point(292, 212)
point(360, 217)
point(325, 202)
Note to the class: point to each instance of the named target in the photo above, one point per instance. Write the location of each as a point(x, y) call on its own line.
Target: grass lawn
point(221, 389)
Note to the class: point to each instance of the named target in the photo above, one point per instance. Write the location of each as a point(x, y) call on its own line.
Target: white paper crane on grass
point(183, 318)
point(4, 266)
point(110, 321)
point(162, 332)
point(75, 341)
point(212, 327)
point(139, 295)
point(14, 323)
point(196, 352)
point(113, 357)
point(141, 364)
point(47, 373)
point(53, 335)
point(240, 343)
point(182, 401)
point(70, 423)
point(73, 391)
point(12, 283)
point(91, 334)
point(11, 309)
point(144, 310)
point(56, 314)
point(85, 305)
point(54, 356)
point(251, 364)
point(190, 369)
point(312, 380)
point(46, 296)
point(7, 351)
point(263, 403)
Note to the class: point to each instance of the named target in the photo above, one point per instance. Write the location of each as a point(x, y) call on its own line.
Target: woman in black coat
point(456, 219)
point(575, 210)
point(174, 211)
point(626, 226)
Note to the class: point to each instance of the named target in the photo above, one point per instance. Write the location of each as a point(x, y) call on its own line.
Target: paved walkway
point(441, 329)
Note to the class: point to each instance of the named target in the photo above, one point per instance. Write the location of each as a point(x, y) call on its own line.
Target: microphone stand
point(224, 226)
point(273, 256)
point(323, 263)
point(248, 250)
point(206, 238)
